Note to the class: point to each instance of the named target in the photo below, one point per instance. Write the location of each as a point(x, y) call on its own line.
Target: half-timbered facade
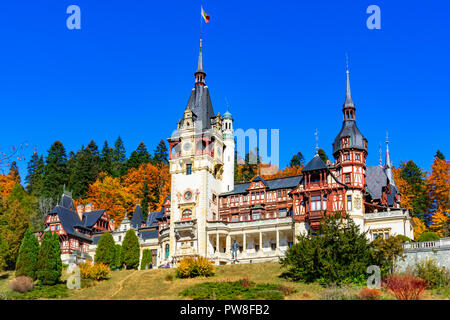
point(75, 227)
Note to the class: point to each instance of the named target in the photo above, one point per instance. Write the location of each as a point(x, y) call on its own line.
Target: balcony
point(250, 223)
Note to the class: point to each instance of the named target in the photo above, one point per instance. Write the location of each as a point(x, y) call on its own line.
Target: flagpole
point(201, 22)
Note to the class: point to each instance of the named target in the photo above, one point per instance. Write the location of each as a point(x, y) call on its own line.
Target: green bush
point(42, 292)
point(147, 257)
point(130, 250)
point(195, 267)
point(428, 236)
point(338, 254)
point(118, 257)
point(234, 291)
point(106, 249)
point(403, 238)
point(386, 252)
point(49, 265)
point(28, 256)
point(434, 276)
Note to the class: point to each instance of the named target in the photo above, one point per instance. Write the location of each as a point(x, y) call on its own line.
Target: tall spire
point(388, 163)
point(200, 73)
point(349, 106)
point(317, 141)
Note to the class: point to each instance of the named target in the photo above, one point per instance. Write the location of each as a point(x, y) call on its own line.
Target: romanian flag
point(205, 16)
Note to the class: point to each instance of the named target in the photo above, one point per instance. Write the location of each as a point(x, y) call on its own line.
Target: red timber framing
point(256, 203)
point(318, 193)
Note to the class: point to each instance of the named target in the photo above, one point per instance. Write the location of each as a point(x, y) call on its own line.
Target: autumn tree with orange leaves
point(118, 196)
point(438, 186)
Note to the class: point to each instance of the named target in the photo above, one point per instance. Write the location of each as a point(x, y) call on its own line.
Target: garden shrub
point(49, 264)
point(428, 236)
point(369, 294)
point(335, 292)
point(98, 271)
point(434, 276)
point(234, 291)
point(130, 250)
point(404, 238)
point(405, 287)
point(195, 267)
point(21, 284)
point(386, 252)
point(43, 292)
point(106, 249)
point(147, 257)
point(28, 256)
point(340, 253)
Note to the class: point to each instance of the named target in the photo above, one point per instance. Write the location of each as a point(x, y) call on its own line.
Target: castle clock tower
point(350, 153)
point(201, 149)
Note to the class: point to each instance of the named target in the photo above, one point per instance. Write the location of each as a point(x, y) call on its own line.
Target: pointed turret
point(349, 106)
point(349, 129)
point(200, 73)
point(388, 164)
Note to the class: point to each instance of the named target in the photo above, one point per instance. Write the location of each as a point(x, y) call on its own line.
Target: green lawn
point(155, 284)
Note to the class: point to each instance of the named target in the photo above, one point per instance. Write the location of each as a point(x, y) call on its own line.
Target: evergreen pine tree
point(297, 160)
point(106, 159)
point(322, 155)
point(161, 155)
point(85, 170)
point(130, 249)
point(49, 265)
point(14, 172)
point(415, 178)
point(35, 176)
point(55, 172)
point(440, 155)
point(28, 256)
point(146, 199)
point(118, 257)
point(105, 251)
point(138, 157)
point(119, 159)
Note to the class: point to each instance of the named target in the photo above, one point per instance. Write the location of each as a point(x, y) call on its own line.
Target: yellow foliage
point(98, 271)
point(419, 227)
point(403, 188)
point(195, 267)
point(7, 183)
point(118, 196)
point(440, 223)
point(438, 184)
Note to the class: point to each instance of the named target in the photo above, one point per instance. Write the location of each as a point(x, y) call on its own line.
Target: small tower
point(228, 152)
point(350, 153)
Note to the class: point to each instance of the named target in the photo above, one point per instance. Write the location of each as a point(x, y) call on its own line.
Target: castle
point(206, 212)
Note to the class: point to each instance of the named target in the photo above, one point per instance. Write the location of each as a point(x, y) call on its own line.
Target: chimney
point(80, 208)
point(89, 207)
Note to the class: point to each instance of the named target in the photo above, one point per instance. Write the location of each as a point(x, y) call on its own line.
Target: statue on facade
point(234, 249)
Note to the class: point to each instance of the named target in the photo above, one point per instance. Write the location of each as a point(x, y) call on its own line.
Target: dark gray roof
point(376, 179)
point(137, 218)
point(149, 234)
point(315, 164)
point(70, 221)
point(91, 218)
point(67, 202)
point(273, 184)
point(200, 104)
point(349, 129)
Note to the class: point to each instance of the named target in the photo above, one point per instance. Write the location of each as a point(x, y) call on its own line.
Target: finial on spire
point(317, 141)
point(348, 92)
point(381, 161)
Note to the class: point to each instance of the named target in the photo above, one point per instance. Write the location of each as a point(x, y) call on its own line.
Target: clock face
point(188, 195)
point(187, 146)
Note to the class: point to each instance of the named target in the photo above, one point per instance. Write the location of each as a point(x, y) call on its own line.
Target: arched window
point(186, 215)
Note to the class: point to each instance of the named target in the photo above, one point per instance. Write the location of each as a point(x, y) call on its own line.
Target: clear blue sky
point(129, 72)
